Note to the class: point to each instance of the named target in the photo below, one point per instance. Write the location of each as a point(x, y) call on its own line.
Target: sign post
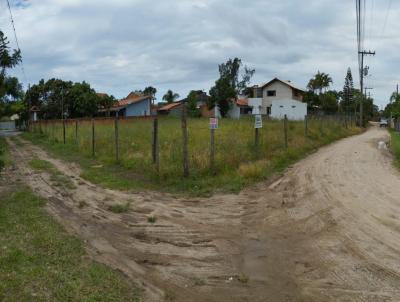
point(213, 127)
point(258, 124)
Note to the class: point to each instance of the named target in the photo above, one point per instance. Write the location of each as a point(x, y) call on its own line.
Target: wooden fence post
point(257, 137)
point(185, 142)
point(212, 150)
point(306, 125)
point(93, 139)
point(285, 126)
point(64, 131)
point(155, 145)
point(76, 133)
point(116, 139)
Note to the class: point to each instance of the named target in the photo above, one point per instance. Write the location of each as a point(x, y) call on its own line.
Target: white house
point(277, 98)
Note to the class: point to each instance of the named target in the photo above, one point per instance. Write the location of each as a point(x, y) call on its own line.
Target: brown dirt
point(328, 230)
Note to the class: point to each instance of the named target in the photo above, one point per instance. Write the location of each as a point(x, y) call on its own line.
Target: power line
point(386, 17)
point(16, 39)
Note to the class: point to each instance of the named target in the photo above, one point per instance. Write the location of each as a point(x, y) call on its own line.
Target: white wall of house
point(256, 103)
point(294, 110)
point(282, 91)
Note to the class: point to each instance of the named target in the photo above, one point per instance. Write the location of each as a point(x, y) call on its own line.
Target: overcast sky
point(122, 45)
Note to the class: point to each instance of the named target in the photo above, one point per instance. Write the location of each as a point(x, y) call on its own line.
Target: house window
point(293, 106)
point(259, 93)
point(281, 106)
point(271, 93)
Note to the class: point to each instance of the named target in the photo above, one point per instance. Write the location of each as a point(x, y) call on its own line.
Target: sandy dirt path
point(328, 230)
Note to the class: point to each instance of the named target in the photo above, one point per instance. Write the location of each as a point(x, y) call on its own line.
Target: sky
point(123, 45)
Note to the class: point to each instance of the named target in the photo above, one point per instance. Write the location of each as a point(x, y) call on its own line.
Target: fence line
point(148, 141)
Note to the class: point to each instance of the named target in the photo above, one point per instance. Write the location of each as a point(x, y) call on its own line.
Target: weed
point(243, 278)
point(119, 208)
point(151, 219)
point(82, 204)
point(56, 177)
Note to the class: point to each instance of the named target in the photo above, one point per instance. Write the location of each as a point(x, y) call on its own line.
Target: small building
point(174, 109)
point(34, 113)
point(278, 98)
point(239, 108)
point(133, 105)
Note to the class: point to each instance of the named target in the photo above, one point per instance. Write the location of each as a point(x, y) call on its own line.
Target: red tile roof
point(131, 99)
point(170, 106)
point(242, 102)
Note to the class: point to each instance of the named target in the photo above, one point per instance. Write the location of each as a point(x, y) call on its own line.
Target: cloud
point(123, 45)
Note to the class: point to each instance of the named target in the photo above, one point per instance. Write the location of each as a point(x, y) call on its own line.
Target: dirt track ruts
point(328, 230)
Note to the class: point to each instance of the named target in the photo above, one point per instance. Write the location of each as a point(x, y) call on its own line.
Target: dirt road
point(328, 230)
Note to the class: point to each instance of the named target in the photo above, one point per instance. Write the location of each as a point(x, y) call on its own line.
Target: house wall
point(294, 110)
point(139, 109)
point(234, 112)
point(282, 92)
point(7, 125)
point(256, 103)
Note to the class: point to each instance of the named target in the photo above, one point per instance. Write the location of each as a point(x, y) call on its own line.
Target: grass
point(56, 176)
point(119, 208)
point(3, 153)
point(237, 162)
point(151, 219)
point(39, 261)
point(396, 146)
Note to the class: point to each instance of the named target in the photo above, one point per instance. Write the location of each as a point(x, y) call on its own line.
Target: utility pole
point(363, 72)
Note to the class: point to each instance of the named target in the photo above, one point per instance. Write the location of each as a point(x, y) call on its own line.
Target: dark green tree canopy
point(230, 85)
point(170, 96)
point(57, 99)
point(11, 91)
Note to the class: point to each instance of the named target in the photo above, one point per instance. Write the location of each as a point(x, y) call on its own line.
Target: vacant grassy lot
point(40, 262)
point(237, 161)
point(396, 146)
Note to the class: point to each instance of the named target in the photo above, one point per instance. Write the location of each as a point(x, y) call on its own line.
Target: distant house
point(278, 98)
point(239, 107)
point(174, 109)
point(133, 105)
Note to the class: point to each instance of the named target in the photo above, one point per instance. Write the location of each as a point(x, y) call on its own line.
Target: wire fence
point(167, 146)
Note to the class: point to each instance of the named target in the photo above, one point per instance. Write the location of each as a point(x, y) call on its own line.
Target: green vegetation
point(119, 208)
point(237, 162)
point(4, 156)
point(39, 261)
point(57, 177)
point(396, 146)
point(151, 219)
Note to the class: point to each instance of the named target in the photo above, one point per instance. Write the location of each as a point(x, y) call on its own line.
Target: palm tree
point(319, 82)
point(170, 96)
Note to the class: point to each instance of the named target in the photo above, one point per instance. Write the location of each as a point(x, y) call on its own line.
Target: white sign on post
point(258, 121)
point(213, 123)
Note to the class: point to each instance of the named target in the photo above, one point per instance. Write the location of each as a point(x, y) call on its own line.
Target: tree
point(347, 103)
point(11, 90)
point(191, 106)
point(8, 59)
point(106, 102)
point(229, 85)
point(320, 82)
point(329, 102)
point(170, 96)
point(151, 91)
point(57, 98)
